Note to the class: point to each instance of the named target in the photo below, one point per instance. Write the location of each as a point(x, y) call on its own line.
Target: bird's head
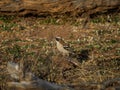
point(58, 39)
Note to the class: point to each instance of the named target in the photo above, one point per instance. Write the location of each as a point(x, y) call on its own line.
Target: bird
point(71, 54)
point(66, 50)
point(63, 47)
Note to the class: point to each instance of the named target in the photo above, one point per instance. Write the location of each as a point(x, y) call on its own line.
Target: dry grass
point(32, 40)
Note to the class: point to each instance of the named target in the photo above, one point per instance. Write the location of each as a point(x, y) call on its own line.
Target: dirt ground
point(32, 39)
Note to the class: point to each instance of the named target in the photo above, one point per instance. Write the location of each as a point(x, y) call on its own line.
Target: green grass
point(7, 27)
point(50, 20)
point(43, 59)
point(106, 18)
point(9, 41)
point(7, 19)
point(15, 51)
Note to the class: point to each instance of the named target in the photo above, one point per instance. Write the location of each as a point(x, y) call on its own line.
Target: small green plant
point(9, 41)
point(108, 18)
point(7, 26)
point(98, 20)
point(97, 46)
point(7, 19)
point(116, 19)
point(113, 41)
point(49, 20)
point(15, 51)
point(118, 51)
point(75, 23)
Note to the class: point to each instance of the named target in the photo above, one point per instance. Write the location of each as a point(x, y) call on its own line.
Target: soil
point(97, 45)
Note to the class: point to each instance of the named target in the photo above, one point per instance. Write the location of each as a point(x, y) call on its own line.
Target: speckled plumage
point(63, 47)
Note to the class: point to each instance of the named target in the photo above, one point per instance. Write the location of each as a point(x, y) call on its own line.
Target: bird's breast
point(61, 48)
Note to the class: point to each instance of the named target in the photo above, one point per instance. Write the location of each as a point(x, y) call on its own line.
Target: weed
point(50, 20)
point(113, 41)
point(118, 51)
point(97, 46)
point(7, 26)
point(15, 51)
point(98, 20)
point(116, 19)
point(7, 19)
point(59, 21)
point(76, 23)
point(9, 41)
point(108, 18)
point(40, 55)
point(71, 36)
